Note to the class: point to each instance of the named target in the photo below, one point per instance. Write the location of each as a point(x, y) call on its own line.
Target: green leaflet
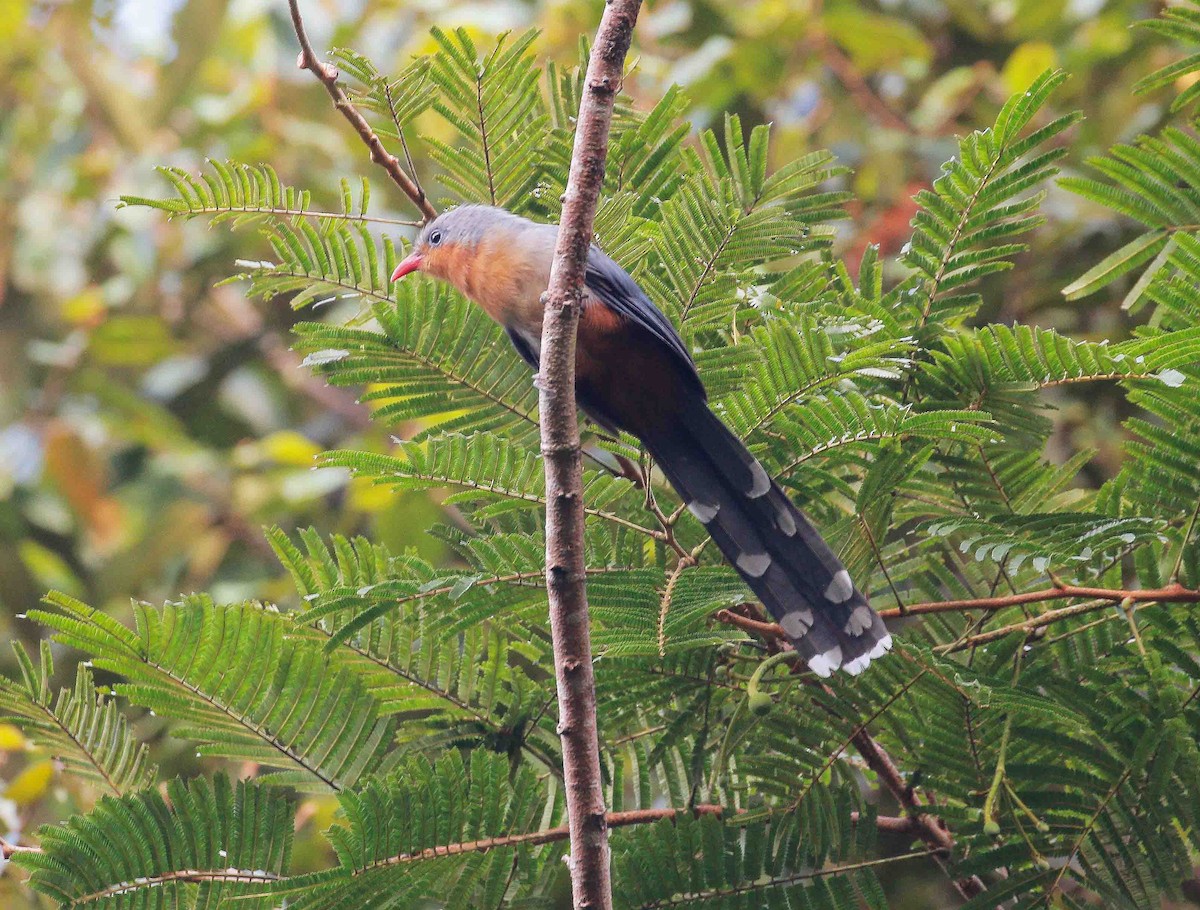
point(286, 705)
point(80, 727)
point(204, 845)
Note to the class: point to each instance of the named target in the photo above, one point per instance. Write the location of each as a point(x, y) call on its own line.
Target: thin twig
point(1033, 624)
point(189, 876)
point(328, 76)
point(665, 522)
point(886, 823)
point(1184, 543)
point(1173, 593)
point(664, 606)
point(546, 836)
point(930, 829)
point(753, 626)
point(569, 624)
point(8, 851)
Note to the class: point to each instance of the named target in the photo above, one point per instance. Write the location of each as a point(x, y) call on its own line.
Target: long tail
point(774, 547)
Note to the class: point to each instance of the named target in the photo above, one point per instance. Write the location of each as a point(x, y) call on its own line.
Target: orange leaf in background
point(890, 229)
point(81, 476)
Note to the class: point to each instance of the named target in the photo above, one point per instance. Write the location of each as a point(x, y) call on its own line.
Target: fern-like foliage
point(81, 728)
point(1181, 23)
point(690, 863)
point(1050, 538)
point(434, 358)
point(246, 193)
point(238, 686)
point(384, 618)
point(1155, 180)
point(205, 844)
point(969, 222)
point(1054, 735)
point(392, 848)
point(486, 468)
point(490, 101)
point(395, 100)
point(732, 217)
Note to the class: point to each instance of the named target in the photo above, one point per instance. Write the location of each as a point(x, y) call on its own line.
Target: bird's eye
point(435, 237)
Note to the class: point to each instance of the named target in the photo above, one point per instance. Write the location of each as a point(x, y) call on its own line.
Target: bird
point(634, 373)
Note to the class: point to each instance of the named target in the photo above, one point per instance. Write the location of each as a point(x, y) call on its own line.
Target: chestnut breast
point(504, 274)
point(623, 376)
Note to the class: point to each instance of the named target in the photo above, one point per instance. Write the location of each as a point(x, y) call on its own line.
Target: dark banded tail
point(768, 540)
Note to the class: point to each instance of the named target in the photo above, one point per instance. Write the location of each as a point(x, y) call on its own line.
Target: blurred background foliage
point(153, 420)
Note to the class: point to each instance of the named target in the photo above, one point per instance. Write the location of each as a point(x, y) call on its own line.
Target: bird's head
point(451, 238)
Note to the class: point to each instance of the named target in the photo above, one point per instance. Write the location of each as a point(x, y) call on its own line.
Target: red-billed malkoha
point(634, 373)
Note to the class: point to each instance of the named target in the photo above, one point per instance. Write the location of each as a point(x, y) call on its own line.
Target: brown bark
point(1172, 593)
point(586, 819)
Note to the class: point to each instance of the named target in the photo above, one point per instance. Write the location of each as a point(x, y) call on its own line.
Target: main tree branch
point(569, 625)
point(328, 76)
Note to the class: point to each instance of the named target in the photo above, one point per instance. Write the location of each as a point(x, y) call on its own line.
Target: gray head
point(455, 234)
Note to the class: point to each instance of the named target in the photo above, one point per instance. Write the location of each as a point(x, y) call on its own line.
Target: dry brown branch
point(1099, 597)
point(887, 823)
point(191, 876)
point(569, 624)
point(931, 829)
point(1174, 593)
point(1032, 624)
point(546, 836)
point(328, 76)
point(8, 851)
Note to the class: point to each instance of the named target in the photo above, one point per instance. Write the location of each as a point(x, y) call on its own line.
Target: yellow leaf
point(11, 738)
point(12, 20)
point(31, 784)
point(131, 341)
point(48, 568)
point(366, 496)
point(81, 475)
point(290, 447)
point(1026, 63)
point(86, 308)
